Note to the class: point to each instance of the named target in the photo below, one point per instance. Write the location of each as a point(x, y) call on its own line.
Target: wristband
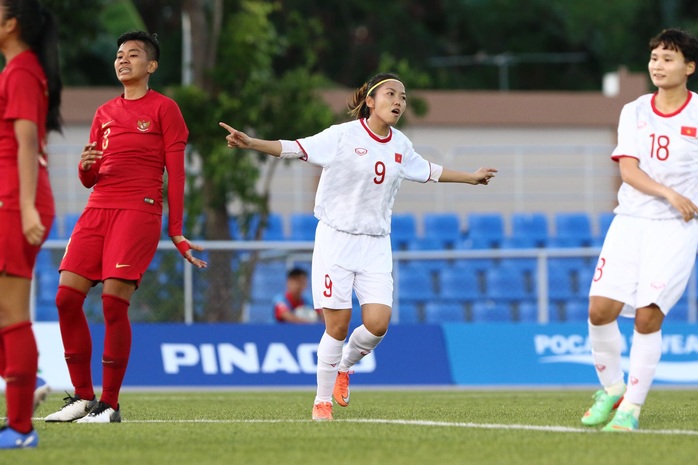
point(183, 246)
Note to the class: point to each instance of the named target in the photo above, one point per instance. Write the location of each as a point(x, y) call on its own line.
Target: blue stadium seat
point(408, 313)
point(46, 283)
point(274, 230)
point(428, 243)
point(481, 265)
point(268, 280)
point(444, 227)
point(261, 312)
point(491, 312)
point(527, 312)
point(577, 311)
point(403, 229)
point(507, 284)
point(414, 285)
point(529, 230)
point(459, 284)
point(54, 232)
point(303, 226)
point(605, 220)
point(69, 221)
point(442, 312)
point(560, 283)
point(486, 226)
point(572, 230)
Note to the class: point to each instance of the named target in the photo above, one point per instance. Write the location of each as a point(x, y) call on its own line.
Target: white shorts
point(645, 261)
point(343, 261)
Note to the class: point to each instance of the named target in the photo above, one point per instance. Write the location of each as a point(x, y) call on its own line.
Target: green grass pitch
point(386, 426)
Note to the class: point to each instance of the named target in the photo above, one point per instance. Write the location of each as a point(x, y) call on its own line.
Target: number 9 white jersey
point(361, 175)
point(667, 149)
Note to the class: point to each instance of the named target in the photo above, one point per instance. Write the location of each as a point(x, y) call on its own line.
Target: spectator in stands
point(134, 138)
point(291, 306)
point(364, 161)
point(30, 96)
point(650, 247)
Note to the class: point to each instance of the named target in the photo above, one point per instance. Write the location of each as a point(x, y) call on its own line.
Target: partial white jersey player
point(361, 175)
point(666, 146)
point(363, 163)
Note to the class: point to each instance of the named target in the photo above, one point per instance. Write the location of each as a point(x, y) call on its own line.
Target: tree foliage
point(243, 89)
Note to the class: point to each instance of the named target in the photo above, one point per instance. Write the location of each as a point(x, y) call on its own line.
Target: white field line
point(494, 426)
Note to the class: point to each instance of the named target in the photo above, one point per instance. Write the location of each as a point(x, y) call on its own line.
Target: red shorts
point(112, 243)
point(17, 256)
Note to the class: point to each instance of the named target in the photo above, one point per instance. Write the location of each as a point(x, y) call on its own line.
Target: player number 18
point(660, 147)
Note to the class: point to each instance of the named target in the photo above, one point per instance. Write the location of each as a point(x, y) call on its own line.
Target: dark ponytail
point(39, 30)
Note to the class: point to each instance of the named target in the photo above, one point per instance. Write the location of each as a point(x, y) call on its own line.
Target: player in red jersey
point(30, 89)
point(134, 138)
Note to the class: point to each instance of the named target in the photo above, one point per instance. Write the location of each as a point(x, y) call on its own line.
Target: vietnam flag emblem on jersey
point(398, 156)
point(689, 131)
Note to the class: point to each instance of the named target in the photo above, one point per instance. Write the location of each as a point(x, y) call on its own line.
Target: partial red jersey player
point(134, 138)
point(30, 90)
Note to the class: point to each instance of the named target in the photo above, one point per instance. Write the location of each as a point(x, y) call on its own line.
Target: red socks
point(77, 342)
point(21, 363)
point(117, 347)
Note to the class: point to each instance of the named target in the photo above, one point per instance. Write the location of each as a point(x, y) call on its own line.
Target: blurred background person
point(293, 306)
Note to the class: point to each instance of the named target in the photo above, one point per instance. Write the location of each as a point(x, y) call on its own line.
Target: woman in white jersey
point(650, 248)
point(364, 161)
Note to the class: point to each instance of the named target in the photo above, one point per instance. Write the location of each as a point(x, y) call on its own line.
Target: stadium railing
point(291, 252)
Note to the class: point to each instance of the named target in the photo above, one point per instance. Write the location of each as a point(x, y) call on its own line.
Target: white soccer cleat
point(102, 413)
point(74, 409)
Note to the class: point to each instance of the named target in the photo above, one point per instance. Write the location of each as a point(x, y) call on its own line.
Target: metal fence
point(173, 290)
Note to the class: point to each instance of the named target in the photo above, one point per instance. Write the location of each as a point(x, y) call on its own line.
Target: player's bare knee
point(649, 319)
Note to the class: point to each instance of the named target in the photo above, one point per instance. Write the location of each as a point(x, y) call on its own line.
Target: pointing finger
point(230, 129)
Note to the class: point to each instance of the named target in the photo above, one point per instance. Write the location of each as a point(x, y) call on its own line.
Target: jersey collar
point(375, 136)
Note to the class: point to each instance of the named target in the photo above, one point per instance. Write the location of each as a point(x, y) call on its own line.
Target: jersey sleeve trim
point(303, 157)
point(618, 157)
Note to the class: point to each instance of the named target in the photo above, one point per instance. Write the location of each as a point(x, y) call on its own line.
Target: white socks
point(645, 352)
point(361, 343)
point(606, 346)
point(333, 356)
point(329, 353)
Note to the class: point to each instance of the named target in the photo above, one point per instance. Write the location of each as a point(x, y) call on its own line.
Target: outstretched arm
point(481, 176)
point(241, 140)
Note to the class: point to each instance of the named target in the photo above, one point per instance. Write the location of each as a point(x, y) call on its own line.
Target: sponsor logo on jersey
point(641, 124)
point(398, 158)
point(143, 124)
point(104, 125)
point(121, 265)
point(360, 151)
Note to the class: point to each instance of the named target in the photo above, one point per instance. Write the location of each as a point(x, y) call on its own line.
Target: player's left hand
point(185, 247)
point(483, 175)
